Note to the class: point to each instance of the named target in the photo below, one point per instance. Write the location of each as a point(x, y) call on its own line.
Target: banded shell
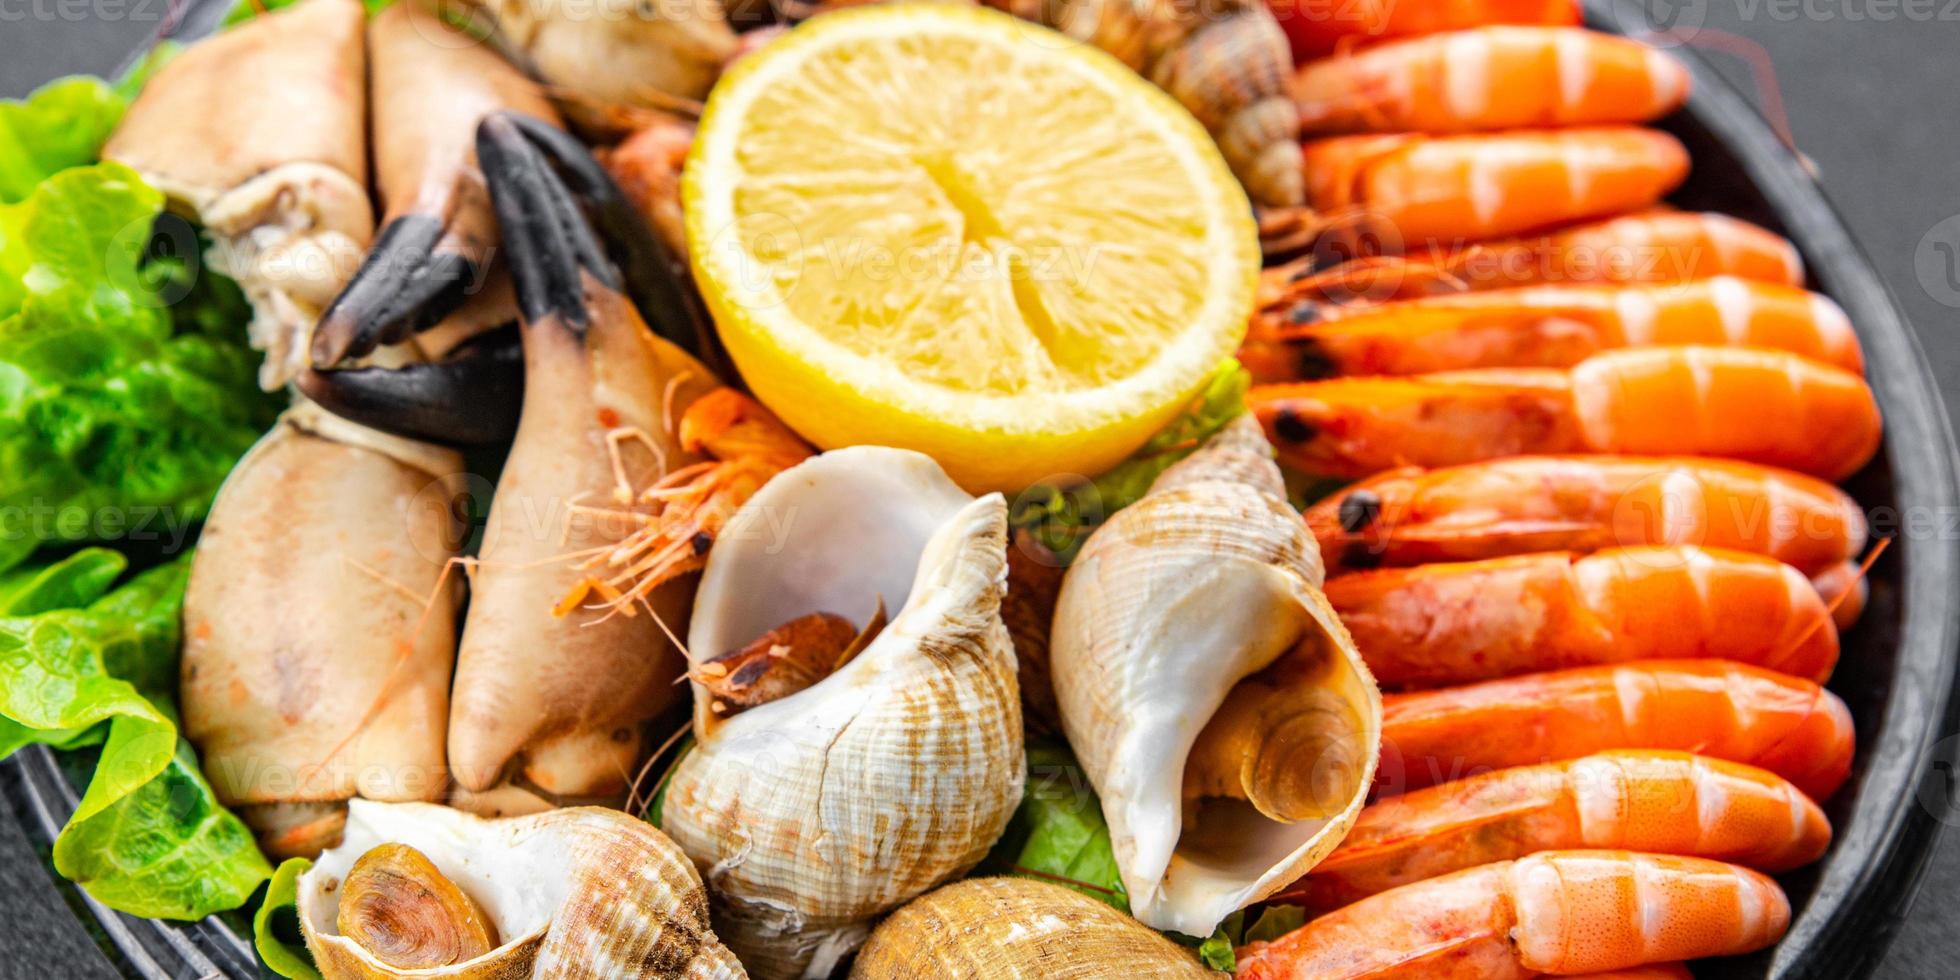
point(1017, 928)
point(574, 893)
point(1191, 634)
point(813, 814)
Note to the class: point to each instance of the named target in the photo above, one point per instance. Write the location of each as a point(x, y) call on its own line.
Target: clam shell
point(1206, 580)
point(1017, 928)
point(574, 893)
point(812, 814)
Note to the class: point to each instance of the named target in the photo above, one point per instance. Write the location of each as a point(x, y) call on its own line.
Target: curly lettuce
point(275, 926)
point(148, 837)
point(1058, 833)
point(120, 413)
point(1061, 517)
point(126, 395)
point(61, 125)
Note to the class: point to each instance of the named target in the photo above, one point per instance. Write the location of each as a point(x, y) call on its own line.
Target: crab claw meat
point(276, 172)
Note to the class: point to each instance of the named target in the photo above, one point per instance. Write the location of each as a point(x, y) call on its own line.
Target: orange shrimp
point(1453, 623)
point(647, 165)
point(1541, 326)
point(1489, 78)
point(1319, 27)
point(1731, 711)
point(1559, 912)
point(1652, 971)
point(678, 518)
point(1761, 406)
point(1656, 245)
point(1585, 503)
point(1430, 190)
point(1663, 802)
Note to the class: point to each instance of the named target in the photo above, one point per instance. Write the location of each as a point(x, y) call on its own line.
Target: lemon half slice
point(945, 229)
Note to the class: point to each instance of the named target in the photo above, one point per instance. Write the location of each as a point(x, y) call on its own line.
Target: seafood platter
point(1027, 488)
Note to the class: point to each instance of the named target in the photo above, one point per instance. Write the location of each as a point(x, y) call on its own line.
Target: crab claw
point(275, 169)
point(469, 398)
point(559, 699)
point(431, 84)
point(642, 266)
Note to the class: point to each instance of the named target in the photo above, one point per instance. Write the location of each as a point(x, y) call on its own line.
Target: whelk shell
point(1017, 928)
point(812, 814)
point(575, 893)
point(1212, 695)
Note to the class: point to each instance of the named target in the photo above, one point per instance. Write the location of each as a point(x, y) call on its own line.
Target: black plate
point(1898, 666)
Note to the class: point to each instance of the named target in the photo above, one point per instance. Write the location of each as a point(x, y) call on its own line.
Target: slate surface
point(1869, 92)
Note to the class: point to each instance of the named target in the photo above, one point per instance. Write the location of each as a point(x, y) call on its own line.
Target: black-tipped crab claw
point(558, 700)
point(434, 85)
point(374, 357)
point(548, 165)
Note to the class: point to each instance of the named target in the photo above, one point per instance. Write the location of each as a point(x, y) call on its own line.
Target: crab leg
point(560, 702)
point(260, 135)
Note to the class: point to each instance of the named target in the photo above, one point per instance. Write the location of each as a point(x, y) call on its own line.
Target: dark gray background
point(1871, 89)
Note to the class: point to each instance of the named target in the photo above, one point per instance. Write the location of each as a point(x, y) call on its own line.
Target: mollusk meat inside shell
point(1211, 693)
point(811, 814)
point(580, 892)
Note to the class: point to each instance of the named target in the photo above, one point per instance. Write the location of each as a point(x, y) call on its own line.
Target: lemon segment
point(941, 228)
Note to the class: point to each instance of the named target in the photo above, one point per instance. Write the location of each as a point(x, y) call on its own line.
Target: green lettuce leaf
point(1220, 950)
point(61, 125)
point(275, 926)
point(74, 582)
point(120, 413)
point(148, 837)
point(1058, 833)
point(1061, 517)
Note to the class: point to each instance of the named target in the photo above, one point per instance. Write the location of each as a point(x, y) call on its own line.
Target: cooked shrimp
point(1539, 326)
point(1585, 503)
point(1318, 27)
point(1489, 78)
point(1451, 623)
point(1425, 191)
point(1559, 912)
point(1715, 708)
point(678, 517)
point(1844, 590)
point(1656, 245)
point(1761, 406)
point(1664, 802)
point(1652, 971)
